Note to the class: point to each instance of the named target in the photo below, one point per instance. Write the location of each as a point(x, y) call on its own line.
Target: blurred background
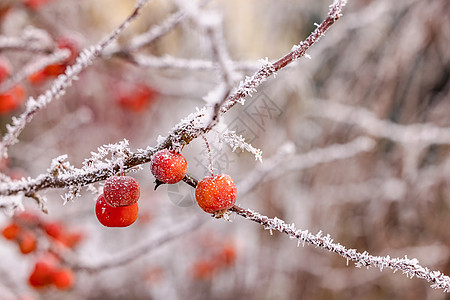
point(383, 68)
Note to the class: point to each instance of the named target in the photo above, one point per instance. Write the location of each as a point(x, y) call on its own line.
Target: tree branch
point(409, 267)
point(183, 133)
point(133, 253)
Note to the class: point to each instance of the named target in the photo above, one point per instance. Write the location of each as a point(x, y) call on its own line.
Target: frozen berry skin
point(121, 191)
point(168, 166)
point(216, 193)
point(110, 216)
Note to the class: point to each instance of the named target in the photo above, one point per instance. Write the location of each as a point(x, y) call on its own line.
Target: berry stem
point(209, 155)
point(192, 181)
point(158, 183)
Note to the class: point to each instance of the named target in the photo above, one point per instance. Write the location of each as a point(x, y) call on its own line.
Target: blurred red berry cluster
point(28, 230)
point(48, 271)
point(25, 227)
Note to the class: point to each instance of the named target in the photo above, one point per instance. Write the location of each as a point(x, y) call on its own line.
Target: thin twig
point(280, 166)
point(131, 254)
point(211, 170)
point(153, 34)
point(169, 62)
point(10, 43)
point(220, 53)
point(425, 134)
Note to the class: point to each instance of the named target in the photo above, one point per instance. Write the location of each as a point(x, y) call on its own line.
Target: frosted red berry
point(121, 191)
point(168, 166)
point(110, 216)
point(216, 193)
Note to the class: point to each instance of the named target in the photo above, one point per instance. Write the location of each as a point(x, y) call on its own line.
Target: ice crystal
point(74, 191)
point(237, 141)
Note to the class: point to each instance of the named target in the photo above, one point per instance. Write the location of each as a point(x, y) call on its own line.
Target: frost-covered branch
point(59, 86)
point(237, 141)
point(109, 160)
point(410, 267)
point(11, 43)
point(191, 127)
point(251, 83)
point(199, 123)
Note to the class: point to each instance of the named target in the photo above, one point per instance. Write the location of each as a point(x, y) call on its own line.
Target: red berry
point(38, 77)
point(110, 216)
point(168, 166)
point(54, 229)
point(41, 275)
point(137, 98)
point(11, 99)
point(70, 240)
point(63, 279)
point(216, 193)
point(4, 10)
point(204, 269)
point(11, 232)
point(72, 43)
point(27, 242)
point(121, 191)
point(228, 255)
point(35, 4)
